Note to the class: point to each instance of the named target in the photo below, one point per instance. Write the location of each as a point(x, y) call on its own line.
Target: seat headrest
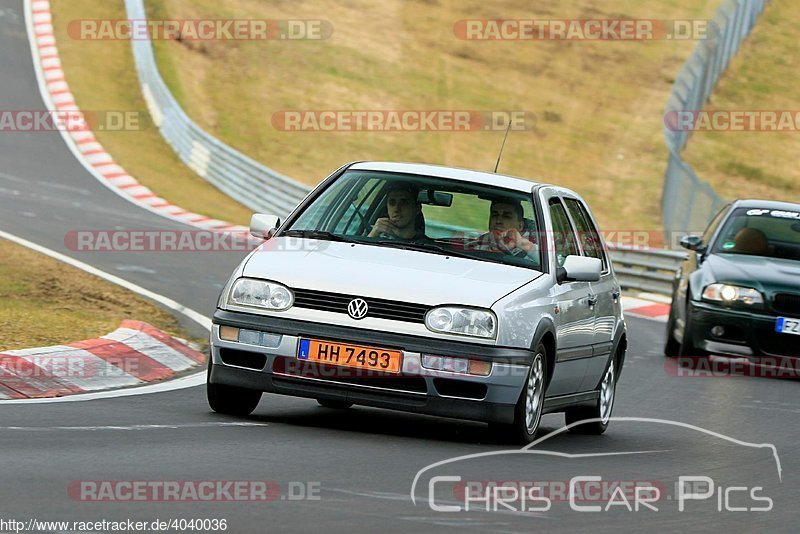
point(751, 241)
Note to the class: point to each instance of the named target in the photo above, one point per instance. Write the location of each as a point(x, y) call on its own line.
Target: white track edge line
point(71, 145)
point(179, 383)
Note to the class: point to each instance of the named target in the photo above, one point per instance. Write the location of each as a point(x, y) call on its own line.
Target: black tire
point(232, 400)
point(672, 348)
point(523, 429)
point(599, 414)
point(334, 404)
point(687, 348)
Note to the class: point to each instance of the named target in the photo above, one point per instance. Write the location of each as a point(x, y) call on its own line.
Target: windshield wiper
point(318, 234)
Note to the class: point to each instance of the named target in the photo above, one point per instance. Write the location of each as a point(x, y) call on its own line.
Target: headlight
point(729, 294)
point(260, 294)
point(464, 321)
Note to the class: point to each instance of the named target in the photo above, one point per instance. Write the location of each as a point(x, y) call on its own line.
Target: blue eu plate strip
point(779, 324)
point(304, 348)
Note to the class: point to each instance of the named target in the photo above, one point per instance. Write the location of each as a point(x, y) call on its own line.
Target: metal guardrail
point(256, 186)
point(688, 203)
point(646, 270)
point(267, 191)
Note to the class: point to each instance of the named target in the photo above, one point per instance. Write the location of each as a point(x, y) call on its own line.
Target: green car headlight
point(730, 294)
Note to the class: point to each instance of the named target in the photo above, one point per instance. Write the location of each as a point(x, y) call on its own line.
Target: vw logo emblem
point(357, 309)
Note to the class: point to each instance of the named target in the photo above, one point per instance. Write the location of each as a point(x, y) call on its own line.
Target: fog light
point(718, 331)
point(251, 337)
point(456, 365)
point(229, 333)
point(432, 362)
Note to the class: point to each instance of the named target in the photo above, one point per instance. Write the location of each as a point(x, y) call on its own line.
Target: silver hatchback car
point(426, 289)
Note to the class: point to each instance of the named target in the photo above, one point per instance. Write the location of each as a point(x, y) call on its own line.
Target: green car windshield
point(450, 217)
point(761, 232)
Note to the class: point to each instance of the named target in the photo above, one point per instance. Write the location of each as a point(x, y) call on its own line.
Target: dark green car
point(738, 293)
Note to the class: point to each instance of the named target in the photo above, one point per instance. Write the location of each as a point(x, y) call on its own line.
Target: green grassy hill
point(762, 77)
point(599, 105)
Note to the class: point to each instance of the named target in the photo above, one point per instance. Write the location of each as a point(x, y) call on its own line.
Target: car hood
point(765, 274)
point(383, 272)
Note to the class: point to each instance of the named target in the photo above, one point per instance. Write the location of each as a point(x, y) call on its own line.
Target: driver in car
point(404, 215)
point(507, 232)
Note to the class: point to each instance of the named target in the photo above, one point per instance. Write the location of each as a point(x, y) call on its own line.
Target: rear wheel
point(528, 411)
point(600, 414)
point(334, 404)
point(232, 400)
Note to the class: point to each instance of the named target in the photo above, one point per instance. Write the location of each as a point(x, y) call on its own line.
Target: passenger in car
point(507, 231)
point(405, 220)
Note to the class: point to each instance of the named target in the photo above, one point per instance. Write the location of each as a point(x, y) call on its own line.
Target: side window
point(587, 233)
point(353, 220)
point(563, 234)
point(712, 227)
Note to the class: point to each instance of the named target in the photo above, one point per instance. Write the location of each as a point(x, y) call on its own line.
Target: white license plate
point(788, 326)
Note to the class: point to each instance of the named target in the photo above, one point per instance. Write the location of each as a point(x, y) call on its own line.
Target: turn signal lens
point(229, 333)
point(480, 368)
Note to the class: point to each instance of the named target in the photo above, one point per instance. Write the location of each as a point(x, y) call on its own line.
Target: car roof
point(439, 171)
point(766, 204)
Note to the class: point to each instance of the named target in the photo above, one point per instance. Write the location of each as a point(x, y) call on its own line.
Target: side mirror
point(263, 226)
point(692, 242)
point(580, 269)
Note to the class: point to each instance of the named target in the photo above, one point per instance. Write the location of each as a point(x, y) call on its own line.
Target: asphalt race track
point(353, 470)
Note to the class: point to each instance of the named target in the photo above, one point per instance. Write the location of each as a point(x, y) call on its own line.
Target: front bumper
point(275, 369)
point(747, 333)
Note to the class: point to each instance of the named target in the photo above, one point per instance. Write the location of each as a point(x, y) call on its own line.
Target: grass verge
point(45, 302)
point(762, 77)
point(599, 104)
point(102, 77)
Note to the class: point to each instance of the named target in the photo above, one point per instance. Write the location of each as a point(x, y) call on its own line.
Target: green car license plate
point(788, 326)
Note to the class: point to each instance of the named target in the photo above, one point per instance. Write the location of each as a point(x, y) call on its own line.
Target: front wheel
point(672, 348)
point(232, 400)
point(688, 348)
point(598, 415)
point(528, 411)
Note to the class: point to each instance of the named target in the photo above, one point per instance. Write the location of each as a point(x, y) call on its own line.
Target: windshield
point(426, 214)
point(761, 232)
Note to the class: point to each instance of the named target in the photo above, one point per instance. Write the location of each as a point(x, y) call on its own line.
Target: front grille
point(788, 303)
point(378, 308)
